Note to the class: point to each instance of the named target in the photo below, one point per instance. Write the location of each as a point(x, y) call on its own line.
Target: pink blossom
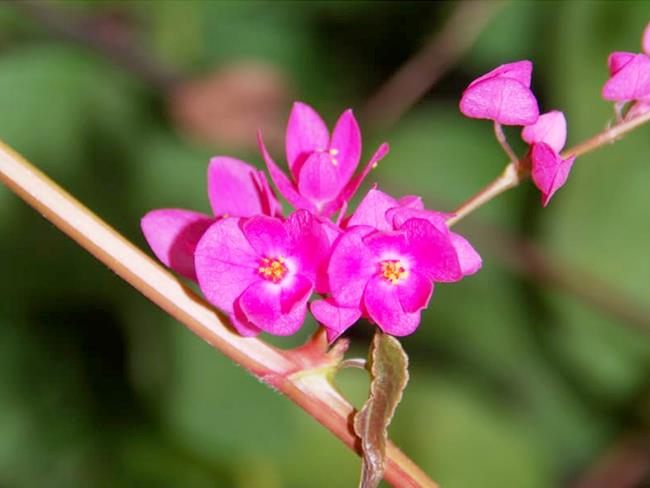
point(384, 266)
point(549, 170)
point(262, 270)
point(502, 95)
point(630, 78)
point(547, 138)
point(234, 189)
point(321, 167)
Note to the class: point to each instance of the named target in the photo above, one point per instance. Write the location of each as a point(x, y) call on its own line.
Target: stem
point(313, 393)
point(501, 137)
point(511, 177)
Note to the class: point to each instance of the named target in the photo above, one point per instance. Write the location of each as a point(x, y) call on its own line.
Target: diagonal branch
point(312, 392)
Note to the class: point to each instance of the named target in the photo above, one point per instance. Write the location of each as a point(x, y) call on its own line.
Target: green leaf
point(389, 369)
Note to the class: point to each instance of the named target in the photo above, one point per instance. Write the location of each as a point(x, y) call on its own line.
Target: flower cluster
point(262, 268)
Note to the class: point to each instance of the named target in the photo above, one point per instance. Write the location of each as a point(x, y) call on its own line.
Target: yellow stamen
point(393, 271)
point(273, 269)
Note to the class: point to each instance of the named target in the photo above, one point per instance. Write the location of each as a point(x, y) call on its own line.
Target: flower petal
point(470, 261)
point(173, 235)
point(397, 216)
point(241, 324)
point(549, 128)
point(319, 180)
point(306, 133)
point(384, 308)
point(346, 141)
point(414, 292)
point(310, 247)
point(521, 71)
point(631, 82)
point(618, 60)
point(434, 254)
point(267, 236)
point(372, 210)
point(351, 265)
point(282, 182)
point(549, 171)
point(504, 100)
point(234, 188)
point(276, 310)
point(335, 319)
point(226, 264)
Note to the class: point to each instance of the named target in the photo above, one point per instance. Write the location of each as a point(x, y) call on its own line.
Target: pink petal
point(631, 82)
point(270, 204)
point(387, 245)
point(397, 216)
point(432, 250)
point(241, 324)
point(173, 235)
point(354, 184)
point(335, 319)
point(414, 292)
point(520, 71)
point(263, 304)
point(267, 236)
point(411, 201)
point(351, 265)
point(618, 60)
point(310, 247)
point(372, 210)
point(226, 264)
point(503, 100)
point(306, 133)
point(319, 180)
point(282, 182)
point(470, 261)
point(346, 140)
point(549, 128)
point(549, 171)
point(384, 308)
point(646, 40)
point(234, 189)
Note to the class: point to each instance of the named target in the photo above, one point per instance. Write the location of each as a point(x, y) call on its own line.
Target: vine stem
point(299, 374)
point(511, 176)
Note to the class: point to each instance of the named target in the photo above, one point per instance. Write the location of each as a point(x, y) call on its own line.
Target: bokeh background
point(533, 373)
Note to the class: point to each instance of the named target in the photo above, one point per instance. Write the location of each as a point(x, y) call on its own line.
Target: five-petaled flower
point(321, 167)
point(549, 170)
point(262, 270)
point(384, 266)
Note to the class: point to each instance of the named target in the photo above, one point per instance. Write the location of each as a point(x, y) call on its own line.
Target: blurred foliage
point(512, 383)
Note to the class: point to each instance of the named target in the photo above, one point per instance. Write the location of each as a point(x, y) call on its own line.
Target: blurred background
point(533, 373)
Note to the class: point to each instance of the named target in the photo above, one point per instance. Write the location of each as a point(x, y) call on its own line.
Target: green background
point(515, 381)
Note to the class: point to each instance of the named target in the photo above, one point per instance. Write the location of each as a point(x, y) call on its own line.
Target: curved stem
point(510, 177)
point(312, 392)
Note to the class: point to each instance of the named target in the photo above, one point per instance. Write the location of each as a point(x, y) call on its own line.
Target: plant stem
point(510, 177)
point(312, 392)
point(501, 139)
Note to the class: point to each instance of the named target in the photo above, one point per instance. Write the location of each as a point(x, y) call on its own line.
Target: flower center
point(393, 271)
point(273, 269)
point(332, 154)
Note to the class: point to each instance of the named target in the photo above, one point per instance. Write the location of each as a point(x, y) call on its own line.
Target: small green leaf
point(389, 369)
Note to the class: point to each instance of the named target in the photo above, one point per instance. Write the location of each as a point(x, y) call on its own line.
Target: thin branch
point(511, 177)
point(503, 142)
point(414, 78)
point(312, 392)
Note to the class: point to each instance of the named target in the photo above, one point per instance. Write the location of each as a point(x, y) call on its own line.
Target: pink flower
point(321, 167)
point(547, 138)
point(262, 270)
point(234, 189)
point(384, 266)
point(502, 95)
point(630, 79)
